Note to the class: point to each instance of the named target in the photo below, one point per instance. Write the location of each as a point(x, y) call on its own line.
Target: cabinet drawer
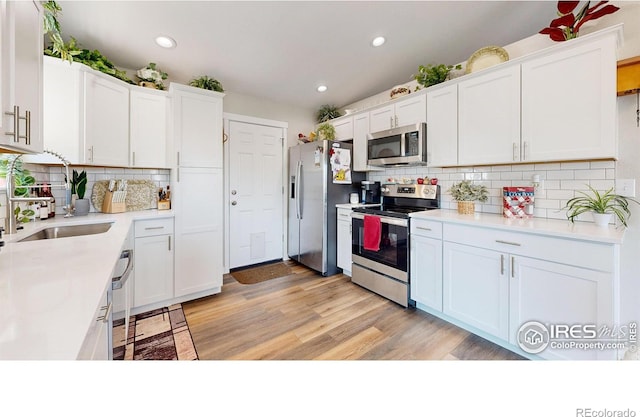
point(344, 214)
point(597, 256)
point(426, 228)
point(153, 227)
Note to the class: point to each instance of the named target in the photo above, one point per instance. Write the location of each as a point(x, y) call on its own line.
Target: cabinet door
point(410, 111)
point(154, 269)
point(344, 241)
point(198, 130)
point(106, 107)
point(148, 135)
point(552, 293)
point(489, 118)
point(442, 126)
point(569, 104)
point(344, 128)
point(22, 45)
point(476, 288)
point(199, 233)
point(382, 119)
point(426, 271)
point(97, 342)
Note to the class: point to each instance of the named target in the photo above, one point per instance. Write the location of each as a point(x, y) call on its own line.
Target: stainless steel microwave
point(405, 145)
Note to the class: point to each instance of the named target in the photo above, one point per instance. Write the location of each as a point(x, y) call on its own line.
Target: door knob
point(233, 203)
point(233, 192)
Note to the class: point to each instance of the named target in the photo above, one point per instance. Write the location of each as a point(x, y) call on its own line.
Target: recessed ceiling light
point(378, 41)
point(322, 88)
point(166, 42)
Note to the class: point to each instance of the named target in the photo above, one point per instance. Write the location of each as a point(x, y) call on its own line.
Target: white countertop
point(50, 289)
point(352, 206)
point(549, 227)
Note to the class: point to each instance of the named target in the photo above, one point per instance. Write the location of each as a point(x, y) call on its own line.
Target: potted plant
point(601, 205)
point(151, 77)
point(326, 131)
point(465, 193)
point(567, 25)
point(207, 83)
point(78, 188)
point(327, 112)
point(434, 74)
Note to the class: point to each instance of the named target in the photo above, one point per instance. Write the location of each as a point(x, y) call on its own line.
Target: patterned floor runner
point(161, 334)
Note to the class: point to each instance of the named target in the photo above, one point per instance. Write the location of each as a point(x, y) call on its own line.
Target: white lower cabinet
point(153, 261)
point(495, 282)
point(97, 344)
point(344, 240)
point(551, 293)
point(476, 288)
point(426, 263)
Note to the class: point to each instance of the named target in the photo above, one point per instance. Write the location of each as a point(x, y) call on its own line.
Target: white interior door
point(255, 193)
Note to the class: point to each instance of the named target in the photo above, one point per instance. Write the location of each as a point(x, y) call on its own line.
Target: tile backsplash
point(55, 175)
point(558, 182)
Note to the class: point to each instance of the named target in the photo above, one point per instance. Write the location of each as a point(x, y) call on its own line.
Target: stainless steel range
point(380, 239)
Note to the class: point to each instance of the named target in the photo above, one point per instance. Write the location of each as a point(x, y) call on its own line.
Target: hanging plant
point(207, 83)
point(567, 25)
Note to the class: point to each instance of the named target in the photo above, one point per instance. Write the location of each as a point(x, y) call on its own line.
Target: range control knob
point(385, 189)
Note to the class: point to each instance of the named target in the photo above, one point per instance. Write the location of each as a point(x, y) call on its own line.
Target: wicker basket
point(466, 207)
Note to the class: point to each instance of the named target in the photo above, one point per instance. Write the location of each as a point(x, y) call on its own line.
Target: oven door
point(393, 251)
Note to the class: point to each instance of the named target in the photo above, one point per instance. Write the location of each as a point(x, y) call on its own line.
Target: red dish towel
point(372, 232)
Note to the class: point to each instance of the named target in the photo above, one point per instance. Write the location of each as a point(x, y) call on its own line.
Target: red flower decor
point(567, 25)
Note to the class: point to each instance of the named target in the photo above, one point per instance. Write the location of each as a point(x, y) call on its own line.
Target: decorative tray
point(141, 194)
point(486, 57)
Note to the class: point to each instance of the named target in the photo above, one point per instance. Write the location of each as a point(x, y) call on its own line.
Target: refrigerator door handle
point(299, 186)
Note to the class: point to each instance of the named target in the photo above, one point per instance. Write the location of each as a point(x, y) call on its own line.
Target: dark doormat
point(261, 273)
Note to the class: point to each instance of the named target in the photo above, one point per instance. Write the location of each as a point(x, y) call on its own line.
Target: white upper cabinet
point(198, 126)
point(489, 117)
point(106, 111)
point(148, 128)
point(21, 45)
point(344, 128)
point(405, 111)
point(442, 126)
point(569, 103)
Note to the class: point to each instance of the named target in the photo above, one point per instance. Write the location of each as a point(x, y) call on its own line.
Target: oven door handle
point(387, 220)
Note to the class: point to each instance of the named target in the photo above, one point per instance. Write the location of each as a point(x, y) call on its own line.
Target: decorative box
point(517, 202)
point(164, 204)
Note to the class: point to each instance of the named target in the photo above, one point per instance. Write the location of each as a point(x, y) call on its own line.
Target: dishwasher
point(122, 292)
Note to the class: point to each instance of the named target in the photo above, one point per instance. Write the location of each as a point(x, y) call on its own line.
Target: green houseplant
point(465, 193)
point(78, 188)
point(434, 74)
point(207, 83)
point(326, 131)
point(326, 113)
point(602, 205)
point(22, 179)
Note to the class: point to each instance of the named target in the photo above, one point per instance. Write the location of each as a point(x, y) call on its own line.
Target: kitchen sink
point(58, 232)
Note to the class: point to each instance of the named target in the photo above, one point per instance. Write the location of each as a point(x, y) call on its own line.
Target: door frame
point(227, 119)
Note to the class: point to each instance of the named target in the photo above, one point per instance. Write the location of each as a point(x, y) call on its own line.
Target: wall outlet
point(626, 187)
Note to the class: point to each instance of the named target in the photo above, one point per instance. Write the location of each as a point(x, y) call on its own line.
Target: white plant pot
point(82, 207)
point(601, 219)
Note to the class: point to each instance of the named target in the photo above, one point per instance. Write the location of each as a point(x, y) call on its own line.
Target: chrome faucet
point(12, 200)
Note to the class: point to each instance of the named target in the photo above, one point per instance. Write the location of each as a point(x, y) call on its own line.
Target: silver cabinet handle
point(524, 151)
point(424, 228)
point(105, 318)
point(133, 158)
point(178, 167)
point(390, 122)
point(507, 242)
point(396, 118)
point(169, 242)
point(90, 154)
point(345, 215)
point(16, 123)
point(27, 136)
point(501, 264)
point(513, 267)
point(515, 151)
point(154, 228)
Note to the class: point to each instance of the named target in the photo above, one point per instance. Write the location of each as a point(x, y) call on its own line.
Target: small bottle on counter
point(52, 203)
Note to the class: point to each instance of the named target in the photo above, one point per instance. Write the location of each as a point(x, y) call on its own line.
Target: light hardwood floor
point(305, 316)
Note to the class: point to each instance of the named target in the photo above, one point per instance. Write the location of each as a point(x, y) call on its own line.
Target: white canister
point(353, 198)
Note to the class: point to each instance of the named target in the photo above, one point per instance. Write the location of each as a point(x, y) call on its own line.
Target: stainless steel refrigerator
point(316, 185)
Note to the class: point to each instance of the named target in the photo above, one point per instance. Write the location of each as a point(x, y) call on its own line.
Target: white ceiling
point(284, 50)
